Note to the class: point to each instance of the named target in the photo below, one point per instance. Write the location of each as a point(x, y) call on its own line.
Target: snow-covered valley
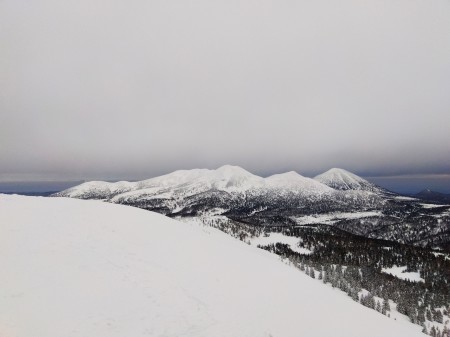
point(87, 268)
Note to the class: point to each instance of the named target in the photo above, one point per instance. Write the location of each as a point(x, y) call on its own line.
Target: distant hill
point(33, 194)
point(430, 195)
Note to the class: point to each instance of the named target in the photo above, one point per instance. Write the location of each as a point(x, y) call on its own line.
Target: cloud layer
point(132, 89)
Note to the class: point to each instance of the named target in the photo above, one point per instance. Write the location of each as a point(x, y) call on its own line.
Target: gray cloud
point(132, 89)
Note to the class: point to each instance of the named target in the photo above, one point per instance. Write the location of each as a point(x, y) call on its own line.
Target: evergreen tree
point(354, 294)
point(386, 305)
point(370, 301)
point(424, 329)
point(421, 315)
point(378, 306)
point(438, 316)
point(326, 276)
point(433, 331)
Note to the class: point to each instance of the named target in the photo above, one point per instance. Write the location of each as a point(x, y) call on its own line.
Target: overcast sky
point(131, 89)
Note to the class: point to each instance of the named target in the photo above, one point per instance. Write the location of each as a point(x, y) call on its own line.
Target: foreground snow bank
point(86, 268)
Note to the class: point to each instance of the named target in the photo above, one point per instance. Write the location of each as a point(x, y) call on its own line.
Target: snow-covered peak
point(287, 176)
point(344, 180)
point(293, 180)
point(233, 177)
point(231, 170)
point(341, 173)
point(226, 172)
point(223, 178)
point(183, 183)
point(172, 179)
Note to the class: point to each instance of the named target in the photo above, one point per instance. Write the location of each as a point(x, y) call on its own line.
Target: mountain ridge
point(232, 196)
point(220, 178)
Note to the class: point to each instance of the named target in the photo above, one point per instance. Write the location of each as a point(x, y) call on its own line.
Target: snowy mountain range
point(226, 178)
point(233, 180)
point(232, 194)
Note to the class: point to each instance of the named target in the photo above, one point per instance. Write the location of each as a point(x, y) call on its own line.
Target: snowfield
point(91, 269)
point(331, 218)
point(431, 205)
point(401, 273)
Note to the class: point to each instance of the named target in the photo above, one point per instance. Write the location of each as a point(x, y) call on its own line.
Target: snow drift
point(87, 268)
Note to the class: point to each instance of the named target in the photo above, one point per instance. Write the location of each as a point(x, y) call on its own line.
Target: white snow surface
point(331, 218)
point(405, 198)
point(400, 273)
point(82, 268)
point(293, 180)
point(101, 187)
point(431, 205)
point(292, 241)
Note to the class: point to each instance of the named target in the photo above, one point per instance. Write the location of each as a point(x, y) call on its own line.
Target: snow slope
point(99, 189)
point(86, 268)
point(294, 181)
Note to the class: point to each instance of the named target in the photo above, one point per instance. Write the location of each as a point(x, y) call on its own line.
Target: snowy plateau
point(89, 268)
